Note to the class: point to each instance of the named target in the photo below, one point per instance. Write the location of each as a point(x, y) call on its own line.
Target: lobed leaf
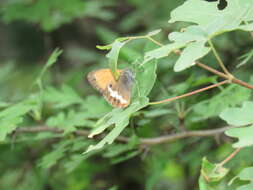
point(244, 135)
point(212, 20)
point(68, 122)
point(246, 175)
point(162, 51)
point(190, 54)
point(189, 34)
point(61, 98)
point(228, 97)
point(12, 116)
point(239, 116)
point(211, 174)
point(113, 56)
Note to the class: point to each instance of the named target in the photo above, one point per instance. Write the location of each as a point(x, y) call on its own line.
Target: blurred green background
point(29, 32)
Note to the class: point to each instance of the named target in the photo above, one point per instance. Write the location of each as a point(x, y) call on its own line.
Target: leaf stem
point(153, 40)
point(190, 93)
point(218, 58)
point(232, 155)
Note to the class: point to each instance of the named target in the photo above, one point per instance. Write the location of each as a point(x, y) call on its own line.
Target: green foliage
point(211, 20)
point(52, 14)
point(192, 52)
point(68, 121)
point(51, 124)
point(113, 56)
point(246, 175)
point(245, 58)
point(239, 117)
point(211, 174)
point(50, 159)
point(243, 134)
point(207, 27)
point(228, 97)
point(64, 97)
point(12, 116)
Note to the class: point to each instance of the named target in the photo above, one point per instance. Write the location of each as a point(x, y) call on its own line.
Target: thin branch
point(233, 80)
point(228, 77)
point(154, 41)
point(190, 93)
point(143, 141)
point(38, 129)
point(177, 136)
point(218, 58)
point(232, 155)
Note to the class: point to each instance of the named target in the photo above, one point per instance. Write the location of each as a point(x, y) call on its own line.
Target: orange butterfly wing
point(101, 78)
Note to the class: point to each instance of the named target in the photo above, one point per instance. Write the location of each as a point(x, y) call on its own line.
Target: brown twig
point(234, 80)
point(190, 93)
point(232, 155)
point(143, 141)
point(181, 135)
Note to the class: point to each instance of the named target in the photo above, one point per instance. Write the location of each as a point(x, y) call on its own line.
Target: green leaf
point(246, 175)
point(68, 121)
point(214, 172)
point(239, 116)
point(143, 73)
point(113, 56)
point(229, 96)
point(8, 125)
point(244, 135)
point(119, 149)
point(51, 60)
point(190, 54)
point(95, 107)
point(189, 34)
point(12, 116)
point(162, 51)
point(247, 27)
point(53, 157)
point(212, 20)
point(245, 58)
point(61, 98)
point(125, 157)
point(211, 174)
point(118, 117)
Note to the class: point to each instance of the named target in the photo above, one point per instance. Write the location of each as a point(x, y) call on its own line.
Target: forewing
point(100, 79)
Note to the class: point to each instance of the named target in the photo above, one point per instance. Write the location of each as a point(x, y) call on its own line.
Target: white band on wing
point(116, 95)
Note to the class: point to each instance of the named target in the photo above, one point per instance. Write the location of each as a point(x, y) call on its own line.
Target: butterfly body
point(116, 92)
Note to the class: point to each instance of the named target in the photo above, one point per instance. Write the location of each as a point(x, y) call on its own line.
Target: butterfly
point(116, 92)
